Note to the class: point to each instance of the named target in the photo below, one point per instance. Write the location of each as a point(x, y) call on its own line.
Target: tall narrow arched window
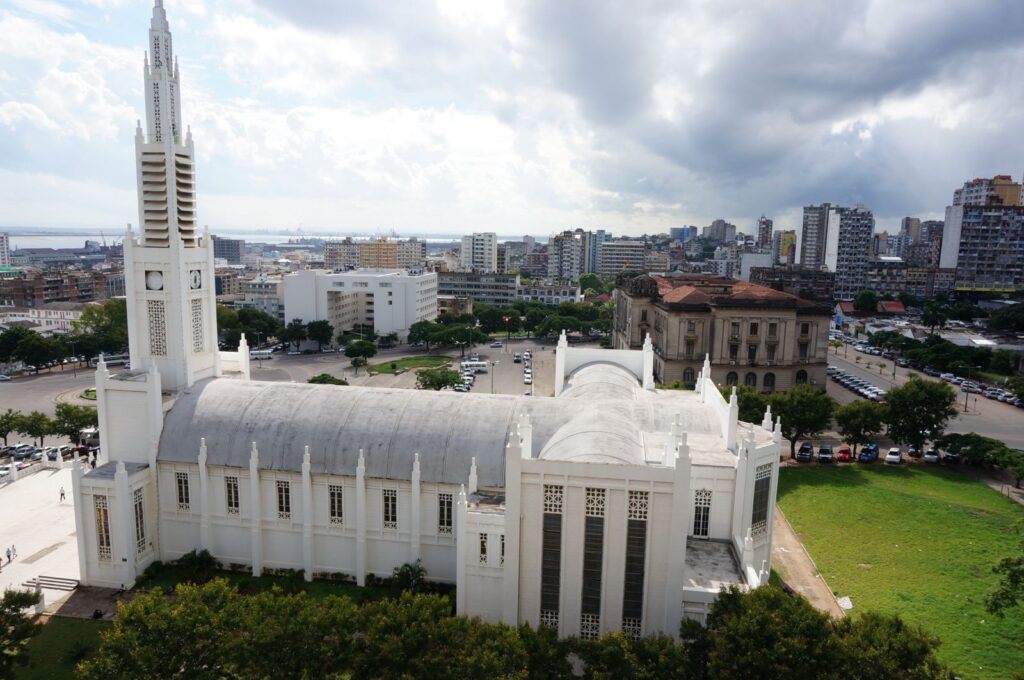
point(688, 377)
point(750, 379)
point(731, 378)
point(769, 382)
point(801, 377)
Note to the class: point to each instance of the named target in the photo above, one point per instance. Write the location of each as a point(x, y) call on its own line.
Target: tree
point(554, 325)
point(108, 321)
point(327, 379)
point(1012, 460)
point(859, 422)
point(16, 629)
point(875, 645)
point(805, 411)
point(462, 335)
point(919, 410)
point(359, 351)
point(423, 331)
point(974, 449)
point(769, 634)
point(865, 301)
point(1009, 318)
point(36, 425)
point(10, 338)
point(294, 332)
point(70, 420)
point(750, 401)
point(1009, 592)
point(9, 421)
point(934, 314)
point(36, 350)
point(320, 332)
point(437, 378)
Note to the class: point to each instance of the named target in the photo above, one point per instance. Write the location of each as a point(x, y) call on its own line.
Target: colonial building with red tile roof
point(754, 335)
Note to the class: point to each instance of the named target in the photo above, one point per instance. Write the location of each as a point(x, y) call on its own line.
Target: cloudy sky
point(516, 117)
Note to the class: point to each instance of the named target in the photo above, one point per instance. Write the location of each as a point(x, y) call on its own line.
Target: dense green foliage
point(437, 378)
point(1010, 318)
point(16, 629)
point(919, 411)
point(327, 379)
point(211, 631)
point(806, 411)
point(257, 326)
point(946, 356)
point(914, 541)
point(860, 421)
point(321, 332)
point(1009, 592)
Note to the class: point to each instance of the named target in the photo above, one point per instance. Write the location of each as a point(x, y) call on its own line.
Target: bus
point(478, 366)
point(109, 359)
point(260, 354)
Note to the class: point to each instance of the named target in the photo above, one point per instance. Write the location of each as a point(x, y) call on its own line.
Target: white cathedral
point(610, 506)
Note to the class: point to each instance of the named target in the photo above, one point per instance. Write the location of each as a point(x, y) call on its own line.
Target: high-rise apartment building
point(594, 240)
point(479, 252)
point(412, 254)
point(5, 250)
point(764, 231)
point(378, 253)
point(983, 235)
point(784, 246)
point(230, 249)
point(720, 231)
point(815, 228)
point(910, 229)
point(622, 254)
point(341, 255)
point(848, 248)
point(568, 255)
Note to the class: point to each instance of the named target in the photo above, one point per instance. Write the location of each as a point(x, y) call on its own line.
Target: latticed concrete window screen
point(553, 498)
point(590, 626)
point(701, 511)
point(157, 327)
point(631, 627)
point(638, 503)
point(197, 325)
point(102, 528)
point(762, 487)
point(549, 617)
point(595, 502)
point(140, 521)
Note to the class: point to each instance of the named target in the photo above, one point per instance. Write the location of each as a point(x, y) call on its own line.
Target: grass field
point(408, 363)
point(60, 645)
point(918, 542)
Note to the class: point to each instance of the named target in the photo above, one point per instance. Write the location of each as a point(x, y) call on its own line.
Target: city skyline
point(369, 121)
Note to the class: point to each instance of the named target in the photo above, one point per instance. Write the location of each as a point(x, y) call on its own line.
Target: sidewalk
point(797, 569)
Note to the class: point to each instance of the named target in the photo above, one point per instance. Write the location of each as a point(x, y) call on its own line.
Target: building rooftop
point(710, 565)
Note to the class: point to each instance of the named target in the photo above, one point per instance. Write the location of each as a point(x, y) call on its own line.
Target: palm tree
point(934, 314)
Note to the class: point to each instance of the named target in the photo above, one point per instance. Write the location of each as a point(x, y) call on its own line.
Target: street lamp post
point(493, 365)
point(508, 333)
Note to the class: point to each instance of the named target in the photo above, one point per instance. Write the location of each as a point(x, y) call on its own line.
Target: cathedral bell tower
point(168, 262)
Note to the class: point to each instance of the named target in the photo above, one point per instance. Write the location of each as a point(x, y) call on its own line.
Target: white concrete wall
point(483, 579)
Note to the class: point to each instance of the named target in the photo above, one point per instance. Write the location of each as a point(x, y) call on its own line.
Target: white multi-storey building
point(610, 506)
point(5, 250)
point(390, 300)
point(479, 253)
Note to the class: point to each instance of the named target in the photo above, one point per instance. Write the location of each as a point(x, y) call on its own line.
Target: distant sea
point(36, 237)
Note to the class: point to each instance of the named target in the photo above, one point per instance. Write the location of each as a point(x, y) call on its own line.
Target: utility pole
point(493, 366)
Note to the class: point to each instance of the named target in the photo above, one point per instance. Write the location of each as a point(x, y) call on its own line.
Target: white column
point(560, 350)
point(102, 415)
point(307, 517)
point(472, 476)
point(415, 528)
point(513, 520)
point(256, 513)
point(243, 358)
point(154, 393)
point(361, 520)
point(648, 365)
point(766, 422)
point(730, 425)
point(680, 525)
point(525, 437)
point(13, 474)
point(204, 498)
point(460, 553)
point(80, 537)
point(124, 552)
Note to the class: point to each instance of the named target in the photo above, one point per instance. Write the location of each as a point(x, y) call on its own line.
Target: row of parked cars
point(975, 387)
point(870, 453)
point(856, 384)
point(31, 453)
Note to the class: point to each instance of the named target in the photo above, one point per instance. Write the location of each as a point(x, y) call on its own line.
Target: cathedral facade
point(611, 505)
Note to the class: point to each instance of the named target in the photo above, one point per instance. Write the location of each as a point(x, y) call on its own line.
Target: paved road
point(984, 416)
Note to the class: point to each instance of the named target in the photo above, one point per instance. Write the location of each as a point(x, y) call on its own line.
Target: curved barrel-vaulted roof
point(603, 416)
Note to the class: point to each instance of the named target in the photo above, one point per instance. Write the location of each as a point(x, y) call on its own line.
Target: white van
point(261, 354)
point(478, 366)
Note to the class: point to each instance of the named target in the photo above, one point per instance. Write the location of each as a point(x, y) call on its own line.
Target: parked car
point(496, 343)
point(913, 452)
point(868, 454)
point(825, 454)
point(932, 456)
point(516, 358)
point(844, 454)
point(894, 456)
point(527, 379)
point(806, 453)
point(461, 388)
point(950, 457)
point(5, 378)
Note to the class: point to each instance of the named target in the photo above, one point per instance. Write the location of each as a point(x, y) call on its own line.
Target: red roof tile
point(891, 307)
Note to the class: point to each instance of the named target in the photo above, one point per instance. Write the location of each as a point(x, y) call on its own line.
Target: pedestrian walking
point(62, 494)
point(8, 556)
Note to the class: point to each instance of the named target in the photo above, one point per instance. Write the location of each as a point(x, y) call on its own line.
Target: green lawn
point(918, 542)
point(60, 645)
point(408, 363)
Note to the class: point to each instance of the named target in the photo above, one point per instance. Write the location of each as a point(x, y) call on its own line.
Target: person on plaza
point(62, 494)
point(14, 550)
point(8, 556)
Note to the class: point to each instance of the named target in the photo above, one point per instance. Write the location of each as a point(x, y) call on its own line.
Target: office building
point(341, 255)
point(720, 231)
point(5, 250)
point(479, 252)
point(491, 289)
point(231, 250)
point(549, 293)
point(389, 300)
point(568, 255)
point(412, 254)
point(378, 253)
point(621, 254)
point(809, 284)
point(266, 294)
point(784, 246)
point(839, 240)
point(890, 275)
